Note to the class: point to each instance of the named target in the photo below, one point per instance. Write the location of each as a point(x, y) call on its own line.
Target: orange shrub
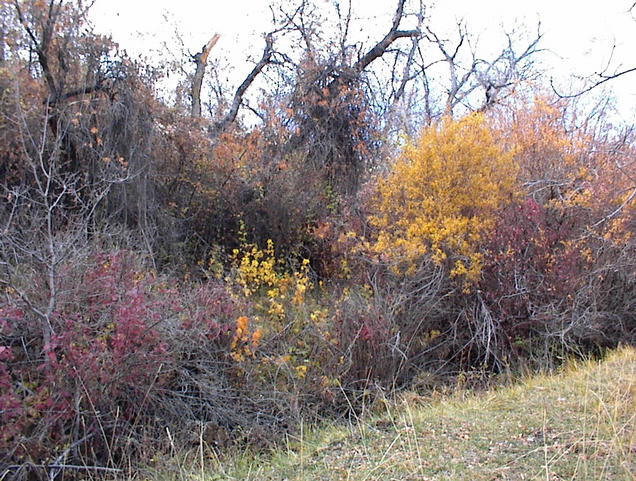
point(440, 198)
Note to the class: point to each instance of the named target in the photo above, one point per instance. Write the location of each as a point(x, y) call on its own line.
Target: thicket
point(177, 281)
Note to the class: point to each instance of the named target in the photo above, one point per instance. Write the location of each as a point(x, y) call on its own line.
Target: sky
point(581, 35)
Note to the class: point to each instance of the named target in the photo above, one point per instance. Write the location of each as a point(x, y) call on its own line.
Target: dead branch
point(201, 60)
point(380, 48)
point(602, 79)
point(240, 91)
point(73, 467)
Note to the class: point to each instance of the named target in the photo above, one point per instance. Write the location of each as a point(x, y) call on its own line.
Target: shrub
point(441, 196)
point(122, 341)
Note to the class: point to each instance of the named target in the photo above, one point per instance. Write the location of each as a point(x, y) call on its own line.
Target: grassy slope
point(578, 424)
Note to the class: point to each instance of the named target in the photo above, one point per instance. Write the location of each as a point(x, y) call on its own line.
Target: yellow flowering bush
point(280, 309)
point(440, 197)
point(255, 268)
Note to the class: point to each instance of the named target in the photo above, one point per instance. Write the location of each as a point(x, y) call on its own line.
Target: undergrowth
point(577, 423)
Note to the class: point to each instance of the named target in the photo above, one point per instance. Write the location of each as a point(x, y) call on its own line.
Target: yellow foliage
point(441, 195)
point(301, 371)
point(302, 283)
point(255, 268)
point(280, 306)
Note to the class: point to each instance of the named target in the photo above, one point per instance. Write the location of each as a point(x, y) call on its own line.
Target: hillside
point(577, 424)
point(220, 263)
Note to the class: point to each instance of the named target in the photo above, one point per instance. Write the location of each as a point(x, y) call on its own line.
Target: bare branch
point(603, 78)
point(240, 91)
point(201, 60)
point(74, 467)
point(451, 59)
point(381, 47)
point(405, 75)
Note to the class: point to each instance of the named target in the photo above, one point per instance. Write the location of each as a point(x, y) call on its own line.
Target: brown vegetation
point(169, 276)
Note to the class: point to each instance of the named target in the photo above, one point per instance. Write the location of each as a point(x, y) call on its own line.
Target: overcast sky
point(580, 33)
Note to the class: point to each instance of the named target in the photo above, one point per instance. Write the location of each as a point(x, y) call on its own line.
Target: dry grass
point(577, 424)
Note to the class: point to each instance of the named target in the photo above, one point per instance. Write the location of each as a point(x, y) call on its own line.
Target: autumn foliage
point(441, 197)
point(167, 282)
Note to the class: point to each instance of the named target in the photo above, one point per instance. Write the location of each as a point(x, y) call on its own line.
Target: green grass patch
point(577, 424)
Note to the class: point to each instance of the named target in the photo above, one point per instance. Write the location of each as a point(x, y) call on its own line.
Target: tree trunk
point(201, 60)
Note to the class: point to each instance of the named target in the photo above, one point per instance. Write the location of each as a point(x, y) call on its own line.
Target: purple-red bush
point(120, 336)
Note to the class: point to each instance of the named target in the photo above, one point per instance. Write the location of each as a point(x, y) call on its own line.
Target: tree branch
point(604, 78)
point(381, 47)
point(201, 60)
point(42, 45)
point(240, 91)
point(393, 34)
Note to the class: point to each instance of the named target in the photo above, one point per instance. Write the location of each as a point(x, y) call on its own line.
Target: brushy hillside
point(577, 424)
point(210, 265)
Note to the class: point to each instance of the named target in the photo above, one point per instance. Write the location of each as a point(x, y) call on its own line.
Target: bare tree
point(468, 72)
point(332, 100)
point(69, 164)
point(300, 19)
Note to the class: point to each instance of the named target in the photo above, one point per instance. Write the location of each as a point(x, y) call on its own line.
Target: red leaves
point(110, 348)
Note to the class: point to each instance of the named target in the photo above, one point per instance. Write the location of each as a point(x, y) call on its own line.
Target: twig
point(74, 467)
point(59, 460)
